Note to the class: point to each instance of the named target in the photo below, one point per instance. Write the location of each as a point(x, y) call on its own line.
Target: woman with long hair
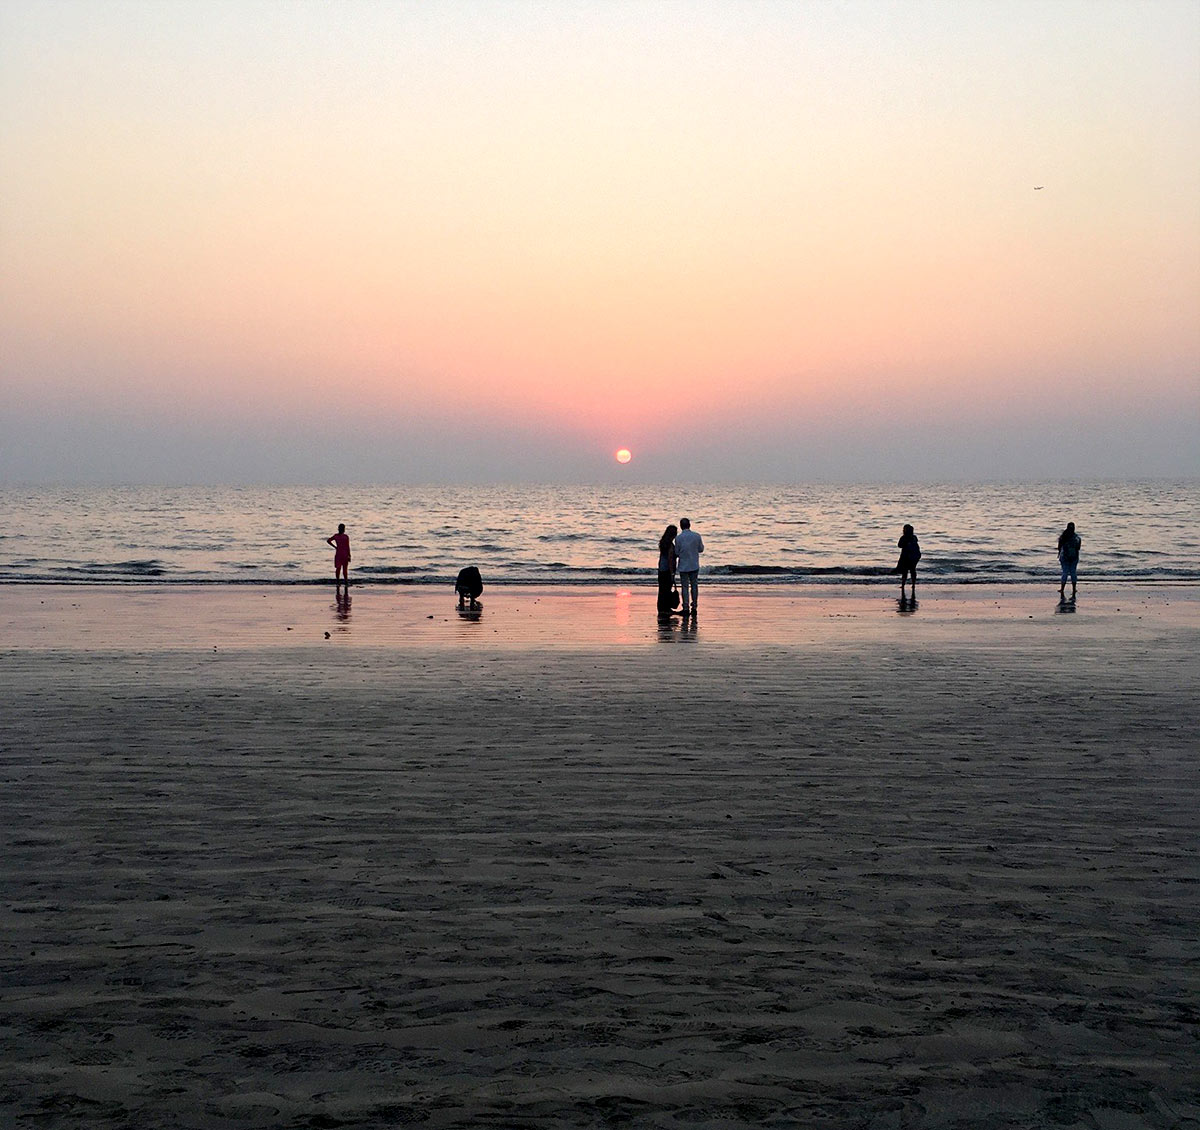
point(667, 561)
point(910, 554)
point(1068, 557)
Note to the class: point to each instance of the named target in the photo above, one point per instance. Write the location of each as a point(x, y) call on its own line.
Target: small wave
point(752, 570)
point(151, 568)
point(606, 575)
point(388, 570)
point(797, 571)
point(611, 539)
point(970, 565)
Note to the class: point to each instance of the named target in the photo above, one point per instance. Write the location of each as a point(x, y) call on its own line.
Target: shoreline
point(161, 617)
point(749, 579)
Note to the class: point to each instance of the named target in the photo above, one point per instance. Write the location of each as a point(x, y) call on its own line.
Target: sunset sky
point(315, 242)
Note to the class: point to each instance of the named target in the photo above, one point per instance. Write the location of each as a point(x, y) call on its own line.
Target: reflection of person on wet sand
point(910, 554)
point(342, 603)
point(341, 554)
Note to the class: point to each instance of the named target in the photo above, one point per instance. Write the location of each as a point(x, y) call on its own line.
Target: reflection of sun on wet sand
point(825, 865)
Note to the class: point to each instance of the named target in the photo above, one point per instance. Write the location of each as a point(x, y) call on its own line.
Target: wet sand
point(815, 863)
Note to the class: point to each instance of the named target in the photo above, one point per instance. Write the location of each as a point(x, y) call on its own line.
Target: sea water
point(761, 534)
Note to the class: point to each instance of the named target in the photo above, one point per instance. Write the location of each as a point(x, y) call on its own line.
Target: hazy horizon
point(848, 242)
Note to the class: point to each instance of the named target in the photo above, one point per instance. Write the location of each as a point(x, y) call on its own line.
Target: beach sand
point(812, 863)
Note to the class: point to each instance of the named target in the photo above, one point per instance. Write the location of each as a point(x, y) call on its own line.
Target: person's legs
point(687, 586)
point(664, 593)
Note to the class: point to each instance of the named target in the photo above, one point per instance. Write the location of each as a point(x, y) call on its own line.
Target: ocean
point(999, 533)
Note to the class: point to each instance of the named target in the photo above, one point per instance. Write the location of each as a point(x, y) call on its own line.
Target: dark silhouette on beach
point(688, 545)
point(1069, 543)
point(668, 596)
point(468, 586)
point(910, 554)
point(341, 554)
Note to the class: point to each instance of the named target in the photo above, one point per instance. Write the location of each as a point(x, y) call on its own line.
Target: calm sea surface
point(815, 534)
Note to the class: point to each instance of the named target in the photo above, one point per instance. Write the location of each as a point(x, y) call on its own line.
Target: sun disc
point(624, 455)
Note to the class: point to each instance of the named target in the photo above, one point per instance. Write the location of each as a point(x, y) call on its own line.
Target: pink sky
point(568, 228)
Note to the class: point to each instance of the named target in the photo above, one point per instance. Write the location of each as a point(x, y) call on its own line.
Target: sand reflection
point(341, 610)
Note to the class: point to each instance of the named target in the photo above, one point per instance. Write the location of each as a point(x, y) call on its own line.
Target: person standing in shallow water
point(910, 554)
point(1069, 543)
point(667, 561)
point(341, 555)
point(689, 545)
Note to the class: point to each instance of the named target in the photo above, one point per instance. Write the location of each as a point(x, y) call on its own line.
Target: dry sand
point(812, 864)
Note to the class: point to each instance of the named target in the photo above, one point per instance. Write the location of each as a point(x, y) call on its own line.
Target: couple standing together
point(678, 550)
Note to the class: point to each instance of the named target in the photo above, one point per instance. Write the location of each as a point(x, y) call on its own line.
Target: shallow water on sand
point(106, 619)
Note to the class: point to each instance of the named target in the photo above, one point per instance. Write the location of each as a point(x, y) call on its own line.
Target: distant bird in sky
point(1038, 187)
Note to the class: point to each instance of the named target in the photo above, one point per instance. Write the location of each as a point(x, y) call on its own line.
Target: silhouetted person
point(341, 554)
point(910, 554)
point(468, 586)
point(1068, 557)
point(688, 545)
point(668, 561)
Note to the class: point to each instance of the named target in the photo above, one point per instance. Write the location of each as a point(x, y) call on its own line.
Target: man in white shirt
point(688, 545)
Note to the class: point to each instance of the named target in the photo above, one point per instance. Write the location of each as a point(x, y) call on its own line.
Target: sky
point(470, 241)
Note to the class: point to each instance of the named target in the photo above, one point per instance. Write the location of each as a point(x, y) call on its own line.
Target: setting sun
point(624, 455)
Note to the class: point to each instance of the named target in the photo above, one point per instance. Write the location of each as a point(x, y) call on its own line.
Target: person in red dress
point(341, 554)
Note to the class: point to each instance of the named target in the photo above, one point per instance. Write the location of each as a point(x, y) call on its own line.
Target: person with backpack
point(1069, 543)
point(910, 554)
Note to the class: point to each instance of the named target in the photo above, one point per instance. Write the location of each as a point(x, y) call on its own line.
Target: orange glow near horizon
point(621, 220)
